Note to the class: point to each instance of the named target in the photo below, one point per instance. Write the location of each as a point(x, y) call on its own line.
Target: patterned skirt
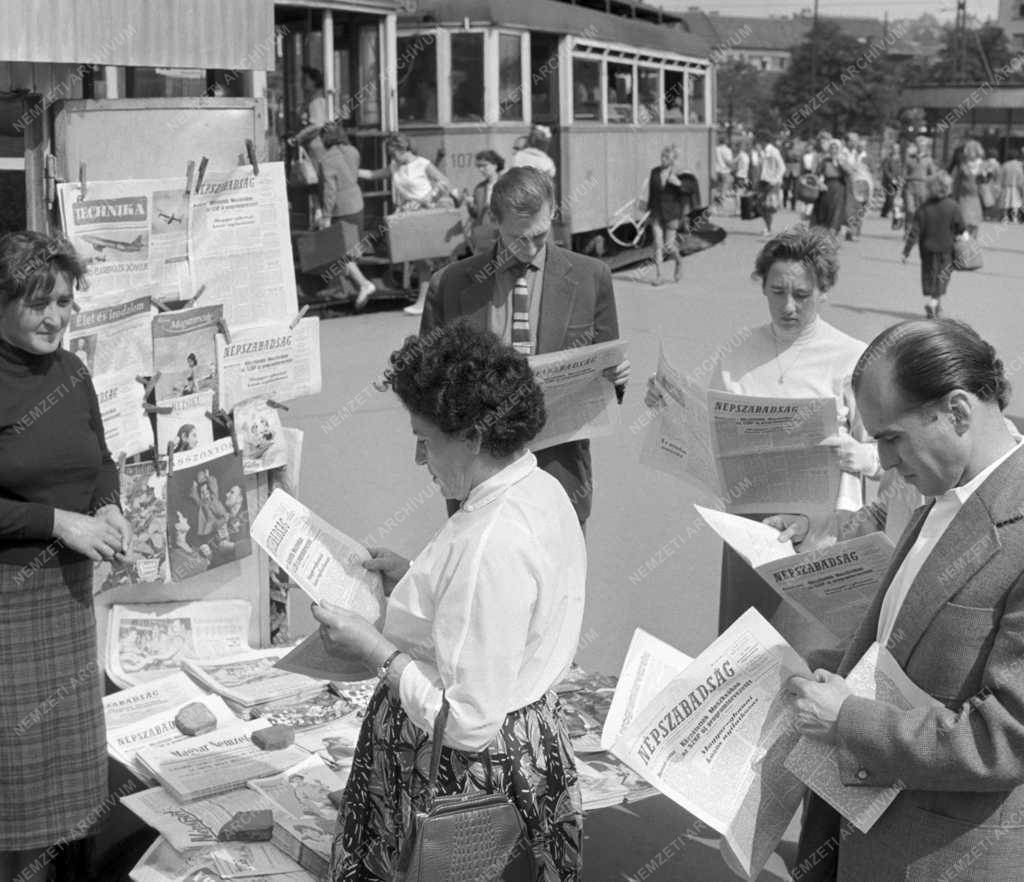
point(532, 763)
point(53, 763)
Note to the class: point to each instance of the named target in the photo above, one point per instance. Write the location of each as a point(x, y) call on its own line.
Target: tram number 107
point(461, 160)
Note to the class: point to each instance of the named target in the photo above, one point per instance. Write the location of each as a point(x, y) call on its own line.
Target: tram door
point(348, 58)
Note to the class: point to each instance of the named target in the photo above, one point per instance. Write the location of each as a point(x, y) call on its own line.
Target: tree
point(985, 49)
point(837, 83)
point(741, 94)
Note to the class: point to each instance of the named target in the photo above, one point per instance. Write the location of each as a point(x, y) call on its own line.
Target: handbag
point(967, 254)
point(471, 837)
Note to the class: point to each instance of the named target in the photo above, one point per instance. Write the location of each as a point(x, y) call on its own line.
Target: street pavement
point(650, 563)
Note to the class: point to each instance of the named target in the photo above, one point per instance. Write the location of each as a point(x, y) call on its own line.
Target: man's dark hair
point(523, 191)
point(465, 380)
point(932, 357)
point(30, 263)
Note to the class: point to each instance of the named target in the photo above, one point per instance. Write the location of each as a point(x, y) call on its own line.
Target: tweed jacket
point(959, 768)
point(577, 308)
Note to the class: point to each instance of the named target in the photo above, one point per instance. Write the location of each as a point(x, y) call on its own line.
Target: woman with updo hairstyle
point(60, 510)
point(796, 354)
point(486, 617)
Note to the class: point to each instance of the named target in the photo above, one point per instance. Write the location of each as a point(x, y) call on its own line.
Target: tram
point(614, 84)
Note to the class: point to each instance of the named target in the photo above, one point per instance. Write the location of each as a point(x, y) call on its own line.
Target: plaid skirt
point(532, 763)
point(53, 764)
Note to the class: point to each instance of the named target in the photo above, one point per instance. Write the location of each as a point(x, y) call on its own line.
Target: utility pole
point(961, 40)
point(814, 50)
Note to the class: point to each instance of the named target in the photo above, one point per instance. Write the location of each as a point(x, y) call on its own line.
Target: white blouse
point(491, 610)
point(817, 364)
point(410, 180)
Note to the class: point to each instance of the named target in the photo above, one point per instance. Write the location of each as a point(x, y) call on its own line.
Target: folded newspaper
point(834, 586)
point(216, 762)
point(323, 561)
point(148, 641)
point(877, 676)
point(715, 739)
point(250, 679)
point(233, 860)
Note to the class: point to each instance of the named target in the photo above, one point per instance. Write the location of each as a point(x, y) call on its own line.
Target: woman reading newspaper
point(797, 354)
point(487, 616)
point(59, 511)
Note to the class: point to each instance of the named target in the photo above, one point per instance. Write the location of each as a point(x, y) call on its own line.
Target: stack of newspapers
point(251, 684)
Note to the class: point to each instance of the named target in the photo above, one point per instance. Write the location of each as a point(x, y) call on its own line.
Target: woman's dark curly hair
point(30, 263)
point(464, 380)
point(814, 248)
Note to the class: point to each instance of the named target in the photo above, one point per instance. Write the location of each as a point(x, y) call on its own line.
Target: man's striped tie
point(521, 313)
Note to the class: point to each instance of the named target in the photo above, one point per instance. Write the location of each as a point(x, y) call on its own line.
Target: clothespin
point(198, 294)
point(83, 182)
point(51, 179)
point(159, 304)
point(202, 173)
point(121, 459)
point(298, 318)
point(276, 404)
point(156, 460)
point(250, 151)
point(150, 383)
point(156, 408)
point(170, 458)
point(220, 418)
point(222, 326)
point(190, 171)
point(76, 306)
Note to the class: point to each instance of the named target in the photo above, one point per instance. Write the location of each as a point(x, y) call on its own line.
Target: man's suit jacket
point(577, 308)
point(959, 768)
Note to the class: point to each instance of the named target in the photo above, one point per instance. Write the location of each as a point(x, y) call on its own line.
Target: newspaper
point(304, 818)
point(334, 741)
point(159, 730)
point(311, 658)
point(323, 562)
point(194, 825)
point(876, 676)
point(251, 678)
point(186, 427)
point(715, 739)
point(132, 235)
point(115, 338)
point(240, 245)
point(231, 860)
point(269, 361)
point(126, 427)
point(579, 401)
point(678, 440)
point(129, 707)
point(147, 641)
point(771, 448)
point(650, 664)
point(606, 781)
point(217, 762)
point(833, 585)
point(184, 351)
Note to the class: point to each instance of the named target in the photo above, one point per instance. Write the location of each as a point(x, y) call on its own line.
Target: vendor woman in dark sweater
point(59, 512)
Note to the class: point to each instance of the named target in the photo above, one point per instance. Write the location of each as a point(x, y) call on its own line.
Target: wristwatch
point(382, 671)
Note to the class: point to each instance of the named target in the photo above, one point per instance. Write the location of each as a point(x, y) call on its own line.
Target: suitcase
point(425, 233)
point(749, 208)
point(321, 248)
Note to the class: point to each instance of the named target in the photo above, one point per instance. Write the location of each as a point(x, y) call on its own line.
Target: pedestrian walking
point(967, 179)
point(769, 185)
point(1011, 188)
point(934, 228)
point(665, 202)
point(830, 209)
point(891, 168)
point(918, 167)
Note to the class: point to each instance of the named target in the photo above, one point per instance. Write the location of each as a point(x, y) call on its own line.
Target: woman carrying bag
point(486, 619)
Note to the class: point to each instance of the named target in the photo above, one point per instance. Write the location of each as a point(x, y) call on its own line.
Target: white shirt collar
point(964, 491)
point(487, 491)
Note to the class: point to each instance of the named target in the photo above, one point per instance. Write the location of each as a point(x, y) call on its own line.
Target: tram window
point(165, 82)
point(510, 77)
point(620, 93)
point(647, 82)
point(698, 113)
point(467, 77)
point(417, 78)
point(586, 87)
point(544, 76)
point(673, 96)
point(365, 103)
